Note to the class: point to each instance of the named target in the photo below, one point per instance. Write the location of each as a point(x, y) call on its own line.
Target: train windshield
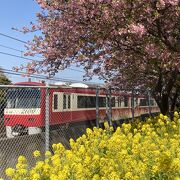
point(23, 98)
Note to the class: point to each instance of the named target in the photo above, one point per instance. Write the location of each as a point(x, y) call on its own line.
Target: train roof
point(59, 84)
point(29, 84)
point(74, 86)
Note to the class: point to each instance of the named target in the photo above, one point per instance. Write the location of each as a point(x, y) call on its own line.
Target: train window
point(86, 102)
point(152, 103)
point(113, 101)
point(23, 98)
point(66, 101)
point(135, 101)
point(102, 101)
point(69, 101)
point(143, 102)
point(125, 101)
point(81, 102)
point(119, 101)
point(55, 104)
point(91, 102)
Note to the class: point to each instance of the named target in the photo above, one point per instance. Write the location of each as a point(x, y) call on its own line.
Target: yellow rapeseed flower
point(10, 172)
point(96, 177)
point(155, 169)
point(138, 150)
point(128, 175)
point(106, 125)
point(37, 153)
point(36, 176)
point(21, 159)
point(176, 114)
point(88, 131)
point(39, 165)
point(161, 116)
point(47, 153)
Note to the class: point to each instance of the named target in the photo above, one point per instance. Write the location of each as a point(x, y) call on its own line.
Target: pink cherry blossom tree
point(129, 43)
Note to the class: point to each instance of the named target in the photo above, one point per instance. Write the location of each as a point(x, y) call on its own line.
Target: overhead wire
point(21, 51)
point(6, 71)
point(7, 47)
point(19, 73)
point(13, 55)
point(8, 36)
point(16, 39)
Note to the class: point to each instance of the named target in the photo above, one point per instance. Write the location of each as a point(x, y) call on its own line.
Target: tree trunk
point(163, 90)
point(173, 103)
point(163, 103)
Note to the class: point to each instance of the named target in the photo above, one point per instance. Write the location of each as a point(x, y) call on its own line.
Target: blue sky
point(19, 13)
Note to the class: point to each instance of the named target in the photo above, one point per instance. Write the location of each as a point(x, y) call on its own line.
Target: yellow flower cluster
point(138, 150)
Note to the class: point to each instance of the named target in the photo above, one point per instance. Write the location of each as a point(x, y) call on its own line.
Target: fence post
point(149, 101)
point(107, 106)
point(97, 106)
point(47, 121)
point(132, 104)
point(110, 108)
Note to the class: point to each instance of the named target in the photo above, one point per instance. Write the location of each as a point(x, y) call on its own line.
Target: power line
point(7, 47)
point(10, 37)
point(13, 55)
point(2, 34)
point(11, 72)
point(34, 75)
point(11, 48)
point(20, 72)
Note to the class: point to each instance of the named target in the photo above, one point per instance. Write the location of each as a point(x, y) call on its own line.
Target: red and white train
point(25, 112)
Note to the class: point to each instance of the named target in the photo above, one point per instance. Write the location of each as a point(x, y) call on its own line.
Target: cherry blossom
point(127, 43)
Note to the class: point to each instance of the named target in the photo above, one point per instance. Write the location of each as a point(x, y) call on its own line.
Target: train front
point(24, 111)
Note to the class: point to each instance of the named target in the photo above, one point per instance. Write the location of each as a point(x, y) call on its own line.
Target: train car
point(27, 104)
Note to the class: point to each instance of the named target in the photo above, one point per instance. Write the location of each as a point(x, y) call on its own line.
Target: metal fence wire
point(35, 117)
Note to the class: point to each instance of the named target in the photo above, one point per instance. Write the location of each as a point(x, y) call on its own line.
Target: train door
point(66, 102)
point(67, 107)
point(55, 115)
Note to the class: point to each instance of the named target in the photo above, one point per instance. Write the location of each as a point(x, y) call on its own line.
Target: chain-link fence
point(35, 117)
